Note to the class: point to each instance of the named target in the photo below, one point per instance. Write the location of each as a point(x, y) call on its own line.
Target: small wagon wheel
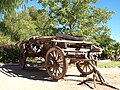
point(85, 67)
point(55, 63)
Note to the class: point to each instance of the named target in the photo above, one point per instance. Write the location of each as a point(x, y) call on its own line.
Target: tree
point(78, 17)
point(45, 25)
point(102, 37)
point(8, 6)
point(116, 49)
point(28, 23)
point(19, 26)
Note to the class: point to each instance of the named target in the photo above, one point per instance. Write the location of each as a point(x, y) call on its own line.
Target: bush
point(9, 53)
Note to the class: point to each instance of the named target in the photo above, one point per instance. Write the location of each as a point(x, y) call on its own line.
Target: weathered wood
point(41, 39)
point(77, 42)
point(69, 37)
point(71, 47)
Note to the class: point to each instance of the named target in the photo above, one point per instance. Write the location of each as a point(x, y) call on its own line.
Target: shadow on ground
point(33, 73)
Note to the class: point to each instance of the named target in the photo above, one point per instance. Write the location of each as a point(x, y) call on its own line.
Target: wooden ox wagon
point(58, 51)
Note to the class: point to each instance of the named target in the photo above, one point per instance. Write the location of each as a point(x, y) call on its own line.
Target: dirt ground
point(13, 78)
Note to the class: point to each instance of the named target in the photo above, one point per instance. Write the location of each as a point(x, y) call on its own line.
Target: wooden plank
point(82, 50)
point(76, 59)
point(69, 37)
point(69, 41)
point(43, 37)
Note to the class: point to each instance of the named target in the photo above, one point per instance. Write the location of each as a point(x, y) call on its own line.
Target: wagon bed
point(58, 51)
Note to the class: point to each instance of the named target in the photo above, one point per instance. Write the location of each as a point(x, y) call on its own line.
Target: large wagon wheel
point(85, 67)
point(55, 63)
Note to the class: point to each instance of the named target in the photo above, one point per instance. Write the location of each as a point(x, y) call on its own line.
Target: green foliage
point(45, 25)
point(28, 23)
point(78, 17)
point(19, 26)
point(9, 53)
point(102, 37)
point(8, 6)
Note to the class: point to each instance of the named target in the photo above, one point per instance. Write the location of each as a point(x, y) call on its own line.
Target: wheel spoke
point(59, 61)
point(54, 53)
point(90, 64)
point(51, 54)
point(53, 70)
point(57, 56)
point(59, 71)
point(89, 67)
point(56, 73)
point(84, 67)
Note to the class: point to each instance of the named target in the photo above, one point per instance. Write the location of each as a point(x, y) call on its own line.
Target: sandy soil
point(13, 78)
